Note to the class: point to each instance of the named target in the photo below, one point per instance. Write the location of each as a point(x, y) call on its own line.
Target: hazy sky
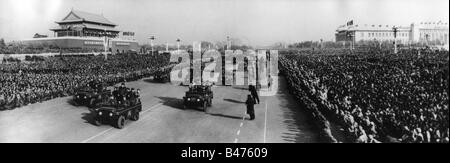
point(255, 22)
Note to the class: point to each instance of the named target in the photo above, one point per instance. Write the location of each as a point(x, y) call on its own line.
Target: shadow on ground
point(88, 117)
point(240, 87)
point(72, 102)
point(301, 129)
point(151, 80)
point(234, 101)
point(226, 116)
point(172, 102)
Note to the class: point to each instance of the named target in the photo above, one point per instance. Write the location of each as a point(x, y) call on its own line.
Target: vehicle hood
point(107, 108)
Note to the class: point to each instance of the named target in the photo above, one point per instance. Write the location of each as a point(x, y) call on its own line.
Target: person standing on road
point(254, 93)
point(250, 107)
point(269, 82)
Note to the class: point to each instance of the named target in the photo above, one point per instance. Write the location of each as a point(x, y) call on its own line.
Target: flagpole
point(105, 44)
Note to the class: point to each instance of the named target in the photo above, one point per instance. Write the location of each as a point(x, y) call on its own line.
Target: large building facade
point(429, 33)
point(84, 30)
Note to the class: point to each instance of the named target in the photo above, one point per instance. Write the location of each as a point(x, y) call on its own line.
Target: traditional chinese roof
point(81, 16)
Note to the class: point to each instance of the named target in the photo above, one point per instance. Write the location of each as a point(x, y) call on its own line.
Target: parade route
point(279, 119)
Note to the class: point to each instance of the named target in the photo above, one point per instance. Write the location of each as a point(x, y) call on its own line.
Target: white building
point(433, 33)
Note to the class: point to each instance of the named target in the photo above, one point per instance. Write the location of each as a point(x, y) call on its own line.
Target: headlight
point(189, 99)
point(84, 97)
point(99, 113)
point(198, 99)
point(110, 114)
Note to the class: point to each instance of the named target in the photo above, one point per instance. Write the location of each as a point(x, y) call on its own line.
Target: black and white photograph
point(224, 72)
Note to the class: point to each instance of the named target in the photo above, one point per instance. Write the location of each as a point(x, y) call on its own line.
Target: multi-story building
point(84, 30)
point(426, 33)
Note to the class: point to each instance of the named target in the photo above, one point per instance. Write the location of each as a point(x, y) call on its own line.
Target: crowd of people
point(25, 83)
point(19, 48)
point(378, 96)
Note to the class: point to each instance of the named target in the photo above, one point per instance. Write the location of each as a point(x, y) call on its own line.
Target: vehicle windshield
point(86, 89)
point(198, 88)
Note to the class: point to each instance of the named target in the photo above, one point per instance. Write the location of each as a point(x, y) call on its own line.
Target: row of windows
point(385, 34)
point(432, 36)
point(93, 43)
point(85, 33)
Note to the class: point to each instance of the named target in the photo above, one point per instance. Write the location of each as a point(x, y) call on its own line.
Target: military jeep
point(198, 95)
point(91, 95)
point(118, 109)
point(162, 75)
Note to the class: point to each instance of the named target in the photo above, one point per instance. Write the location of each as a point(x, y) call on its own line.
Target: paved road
point(278, 119)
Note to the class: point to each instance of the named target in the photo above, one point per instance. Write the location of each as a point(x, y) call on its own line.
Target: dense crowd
point(375, 95)
point(18, 48)
point(30, 82)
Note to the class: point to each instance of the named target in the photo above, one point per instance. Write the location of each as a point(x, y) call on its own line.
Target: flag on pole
point(105, 45)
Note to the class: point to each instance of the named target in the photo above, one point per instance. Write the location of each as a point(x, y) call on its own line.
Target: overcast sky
point(255, 22)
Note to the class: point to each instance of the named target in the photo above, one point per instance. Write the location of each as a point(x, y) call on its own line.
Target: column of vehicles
point(114, 107)
point(117, 106)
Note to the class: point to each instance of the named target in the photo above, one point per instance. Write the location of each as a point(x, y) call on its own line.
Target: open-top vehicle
point(162, 76)
point(91, 95)
point(119, 109)
point(198, 95)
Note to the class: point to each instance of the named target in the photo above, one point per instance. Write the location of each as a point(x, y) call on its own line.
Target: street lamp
point(350, 35)
point(167, 46)
point(228, 43)
point(395, 39)
point(105, 43)
point(321, 43)
point(178, 44)
point(151, 42)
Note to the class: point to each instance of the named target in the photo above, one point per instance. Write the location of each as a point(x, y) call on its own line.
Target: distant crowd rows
point(376, 95)
point(30, 82)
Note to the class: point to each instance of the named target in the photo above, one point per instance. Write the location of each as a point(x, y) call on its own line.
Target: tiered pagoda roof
point(81, 16)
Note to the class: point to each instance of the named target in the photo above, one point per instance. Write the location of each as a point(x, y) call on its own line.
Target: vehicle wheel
point(92, 103)
point(135, 116)
point(120, 122)
point(97, 122)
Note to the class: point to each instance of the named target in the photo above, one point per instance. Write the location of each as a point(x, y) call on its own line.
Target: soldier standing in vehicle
point(250, 107)
point(122, 89)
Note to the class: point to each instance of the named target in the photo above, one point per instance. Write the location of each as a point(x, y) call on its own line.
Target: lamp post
point(350, 35)
point(321, 43)
point(167, 46)
point(395, 29)
point(228, 43)
point(178, 44)
point(105, 44)
point(151, 42)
